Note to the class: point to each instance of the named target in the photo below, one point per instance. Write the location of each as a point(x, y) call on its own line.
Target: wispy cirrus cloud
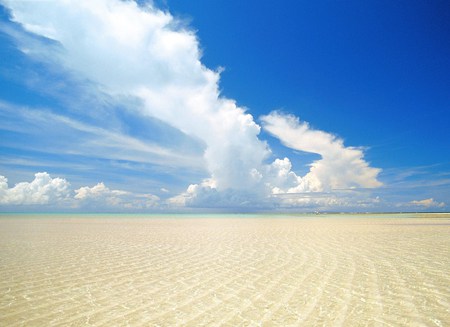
point(64, 134)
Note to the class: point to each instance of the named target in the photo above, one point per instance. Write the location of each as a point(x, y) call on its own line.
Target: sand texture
point(239, 271)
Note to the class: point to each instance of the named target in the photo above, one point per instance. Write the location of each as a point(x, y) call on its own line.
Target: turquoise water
point(226, 215)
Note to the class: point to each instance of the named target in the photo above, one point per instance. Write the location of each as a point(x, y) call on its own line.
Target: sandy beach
point(335, 270)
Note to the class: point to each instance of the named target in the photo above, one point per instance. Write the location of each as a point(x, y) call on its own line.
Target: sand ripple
point(283, 271)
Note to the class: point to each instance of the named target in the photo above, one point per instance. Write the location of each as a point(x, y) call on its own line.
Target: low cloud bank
point(42, 190)
point(100, 194)
point(428, 203)
point(57, 192)
point(54, 193)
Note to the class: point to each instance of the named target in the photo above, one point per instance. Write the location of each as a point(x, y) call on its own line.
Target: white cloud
point(97, 191)
point(206, 195)
point(42, 190)
point(349, 200)
point(142, 53)
point(45, 190)
point(100, 194)
point(428, 203)
point(280, 178)
point(157, 62)
point(339, 168)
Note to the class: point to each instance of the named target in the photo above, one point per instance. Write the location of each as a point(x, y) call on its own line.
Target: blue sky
point(224, 106)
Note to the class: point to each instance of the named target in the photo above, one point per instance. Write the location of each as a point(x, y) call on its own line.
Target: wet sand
point(355, 270)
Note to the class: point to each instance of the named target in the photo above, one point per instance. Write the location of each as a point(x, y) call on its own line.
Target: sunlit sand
point(340, 270)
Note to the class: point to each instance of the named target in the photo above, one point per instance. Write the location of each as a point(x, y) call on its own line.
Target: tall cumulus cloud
point(142, 52)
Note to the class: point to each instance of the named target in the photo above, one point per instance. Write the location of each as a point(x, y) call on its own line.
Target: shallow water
point(338, 270)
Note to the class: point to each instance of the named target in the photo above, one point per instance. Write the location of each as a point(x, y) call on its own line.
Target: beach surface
point(268, 270)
